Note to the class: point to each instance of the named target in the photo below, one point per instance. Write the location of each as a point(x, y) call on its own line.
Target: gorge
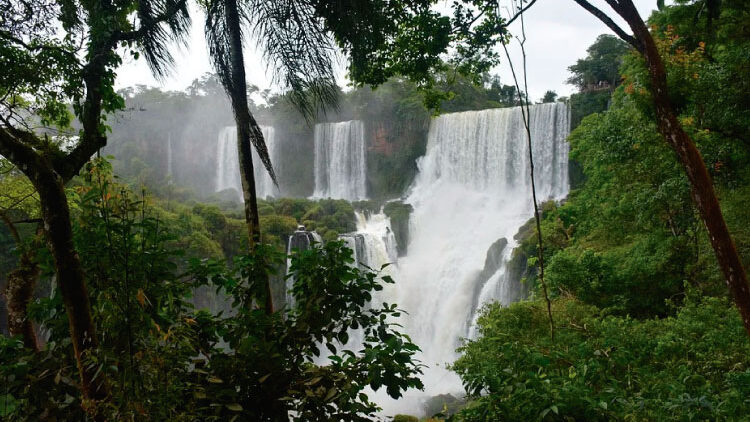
point(470, 197)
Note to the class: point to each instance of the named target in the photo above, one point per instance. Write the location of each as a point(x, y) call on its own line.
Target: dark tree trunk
point(58, 231)
point(19, 290)
point(19, 293)
point(688, 155)
point(70, 280)
point(247, 128)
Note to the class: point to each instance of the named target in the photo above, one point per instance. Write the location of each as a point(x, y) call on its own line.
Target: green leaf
point(8, 405)
point(331, 393)
point(235, 407)
point(314, 381)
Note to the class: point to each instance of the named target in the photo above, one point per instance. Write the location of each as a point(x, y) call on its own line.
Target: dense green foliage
point(599, 367)
point(644, 327)
point(599, 69)
point(329, 217)
point(168, 357)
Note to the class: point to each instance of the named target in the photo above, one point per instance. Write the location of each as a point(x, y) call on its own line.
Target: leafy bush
point(163, 359)
point(693, 366)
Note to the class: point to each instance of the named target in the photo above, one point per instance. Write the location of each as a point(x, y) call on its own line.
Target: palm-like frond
point(217, 38)
point(295, 45)
point(158, 31)
point(218, 31)
point(298, 50)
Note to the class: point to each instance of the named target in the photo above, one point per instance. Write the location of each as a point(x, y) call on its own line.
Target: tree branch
point(610, 23)
point(519, 13)
point(17, 152)
point(35, 47)
point(526, 115)
point(11, 227)
point(29, 221)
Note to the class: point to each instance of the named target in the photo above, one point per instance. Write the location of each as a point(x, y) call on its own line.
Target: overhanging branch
point(519, 12)
point(17, 152)
point(610, 23)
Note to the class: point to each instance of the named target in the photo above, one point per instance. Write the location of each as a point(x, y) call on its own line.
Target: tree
point(296, 45)
point(41, 73)
point(704, 196)
point(549, 97)
point(295, 37)
point(19, 204)
point(599, 69)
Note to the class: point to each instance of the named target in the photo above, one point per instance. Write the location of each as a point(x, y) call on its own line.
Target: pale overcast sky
point(558, 33)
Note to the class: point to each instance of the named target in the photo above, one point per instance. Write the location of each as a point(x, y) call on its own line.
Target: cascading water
point(228, 165)
point(472, 190)
point(300, 240)
point(169, 156)
point(373, 244)
point(340, 160)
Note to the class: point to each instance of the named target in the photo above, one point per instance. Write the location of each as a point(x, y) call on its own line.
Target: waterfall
point(473, 189)
point(228, 166)
point(373, 244)
point(300, 240)
point(340, 166)
point(169, 157)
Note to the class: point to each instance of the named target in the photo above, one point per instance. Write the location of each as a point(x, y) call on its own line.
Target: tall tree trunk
point(55, 214)
point(70, 280)
point(19, 293)
point(247, 128)
point(688, 155)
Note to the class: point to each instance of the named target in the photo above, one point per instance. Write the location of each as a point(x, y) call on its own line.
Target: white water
point(228, 165)
point(169, 156)
point(373, 244)
point(472, 189)
point(374, 247)
point(340, 160)
point(300, 240)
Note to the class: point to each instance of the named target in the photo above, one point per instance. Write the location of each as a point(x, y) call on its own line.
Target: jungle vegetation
point(132, 294)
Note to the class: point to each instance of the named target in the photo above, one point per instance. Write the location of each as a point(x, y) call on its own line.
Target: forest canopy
point(134, 288)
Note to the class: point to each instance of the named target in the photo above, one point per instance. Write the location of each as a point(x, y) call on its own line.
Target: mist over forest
point(395, 117)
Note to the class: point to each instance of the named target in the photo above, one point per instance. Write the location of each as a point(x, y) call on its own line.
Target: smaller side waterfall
point(300, 240)
point(373, 244)
point(169, 157)
point(340, 160)
point(356, 243)
point(228, 165)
